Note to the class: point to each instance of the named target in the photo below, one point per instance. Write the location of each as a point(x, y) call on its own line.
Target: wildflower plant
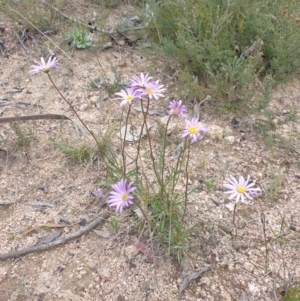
point(156, 196)
point(240, 189)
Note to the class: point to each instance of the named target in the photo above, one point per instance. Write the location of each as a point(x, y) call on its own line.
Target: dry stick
point(34, 117)
point(58, 242)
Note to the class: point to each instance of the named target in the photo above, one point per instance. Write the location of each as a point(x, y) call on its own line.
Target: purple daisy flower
point(153, 90)
point(97, 192)
point(43, 66)
point(239, 189)
point(127, 96)
point(140, 82)
point(120, 196)
point(176, 108)
point(194, 129)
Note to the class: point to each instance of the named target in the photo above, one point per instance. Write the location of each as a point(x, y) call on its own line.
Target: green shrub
point(230, 43)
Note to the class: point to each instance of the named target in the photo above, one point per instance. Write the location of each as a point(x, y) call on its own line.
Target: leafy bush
point(230, 43)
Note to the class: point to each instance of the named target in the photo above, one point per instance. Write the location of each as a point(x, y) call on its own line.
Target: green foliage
point(276, 181)
point(79, 38)
point(75, 153)
point(33, 16)
point(108, 3)
point(210, 183)
point(230, 44)
point(114, 223)
point(24, 135)
point(47, 229)
point(292, 293)
point(80, 152)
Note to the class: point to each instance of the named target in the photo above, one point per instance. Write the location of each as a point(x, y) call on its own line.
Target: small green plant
point(79, 38)
point(77, 154)
point(47, 229)
point(276, 180)
point(24, 136)
point(292, 293)
point(210, 184)
point(114, 223)
point(279, 237)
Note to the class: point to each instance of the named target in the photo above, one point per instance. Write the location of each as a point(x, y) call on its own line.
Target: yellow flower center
point(46, 69)
point(241, 189)
point(193, 130)
point(149, 91)
point(129, 98)
point(124, 197)
point(175, 111)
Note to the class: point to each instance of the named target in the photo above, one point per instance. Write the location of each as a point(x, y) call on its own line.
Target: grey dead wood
point(58, 242)
point(34, 117)
point(186, 281)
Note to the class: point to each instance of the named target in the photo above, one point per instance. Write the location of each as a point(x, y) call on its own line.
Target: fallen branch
point(58, 242)
point(34, 117)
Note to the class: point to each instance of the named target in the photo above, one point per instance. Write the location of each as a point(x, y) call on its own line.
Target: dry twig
point(58, 242)
point(34, 117)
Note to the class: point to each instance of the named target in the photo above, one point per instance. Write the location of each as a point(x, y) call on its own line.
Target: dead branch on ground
point(58, 242)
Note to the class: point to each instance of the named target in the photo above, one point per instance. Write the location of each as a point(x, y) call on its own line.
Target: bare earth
point(93, 267)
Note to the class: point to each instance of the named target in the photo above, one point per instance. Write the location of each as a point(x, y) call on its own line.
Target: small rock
point(94, 99)
point(83, 107)
point(225, 296)
point(237, 245)
point(240, 224)
point(92, 265)
point(104, 273)
point(229, 139)
point(205, 280)
point(212, 241)
point(248, 266)
point(225, 226)
point(120, 298)
point(216, 132)
point(103, 95)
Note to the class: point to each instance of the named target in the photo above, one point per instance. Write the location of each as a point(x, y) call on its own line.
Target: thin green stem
point(145, 113)
point(186, 182)
point(150, 145)
point(145, 216)
point(263, 221)
point(178, 166)
point(140, 138)
point(163, 154)
point(64, 98)
point(124, 140)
